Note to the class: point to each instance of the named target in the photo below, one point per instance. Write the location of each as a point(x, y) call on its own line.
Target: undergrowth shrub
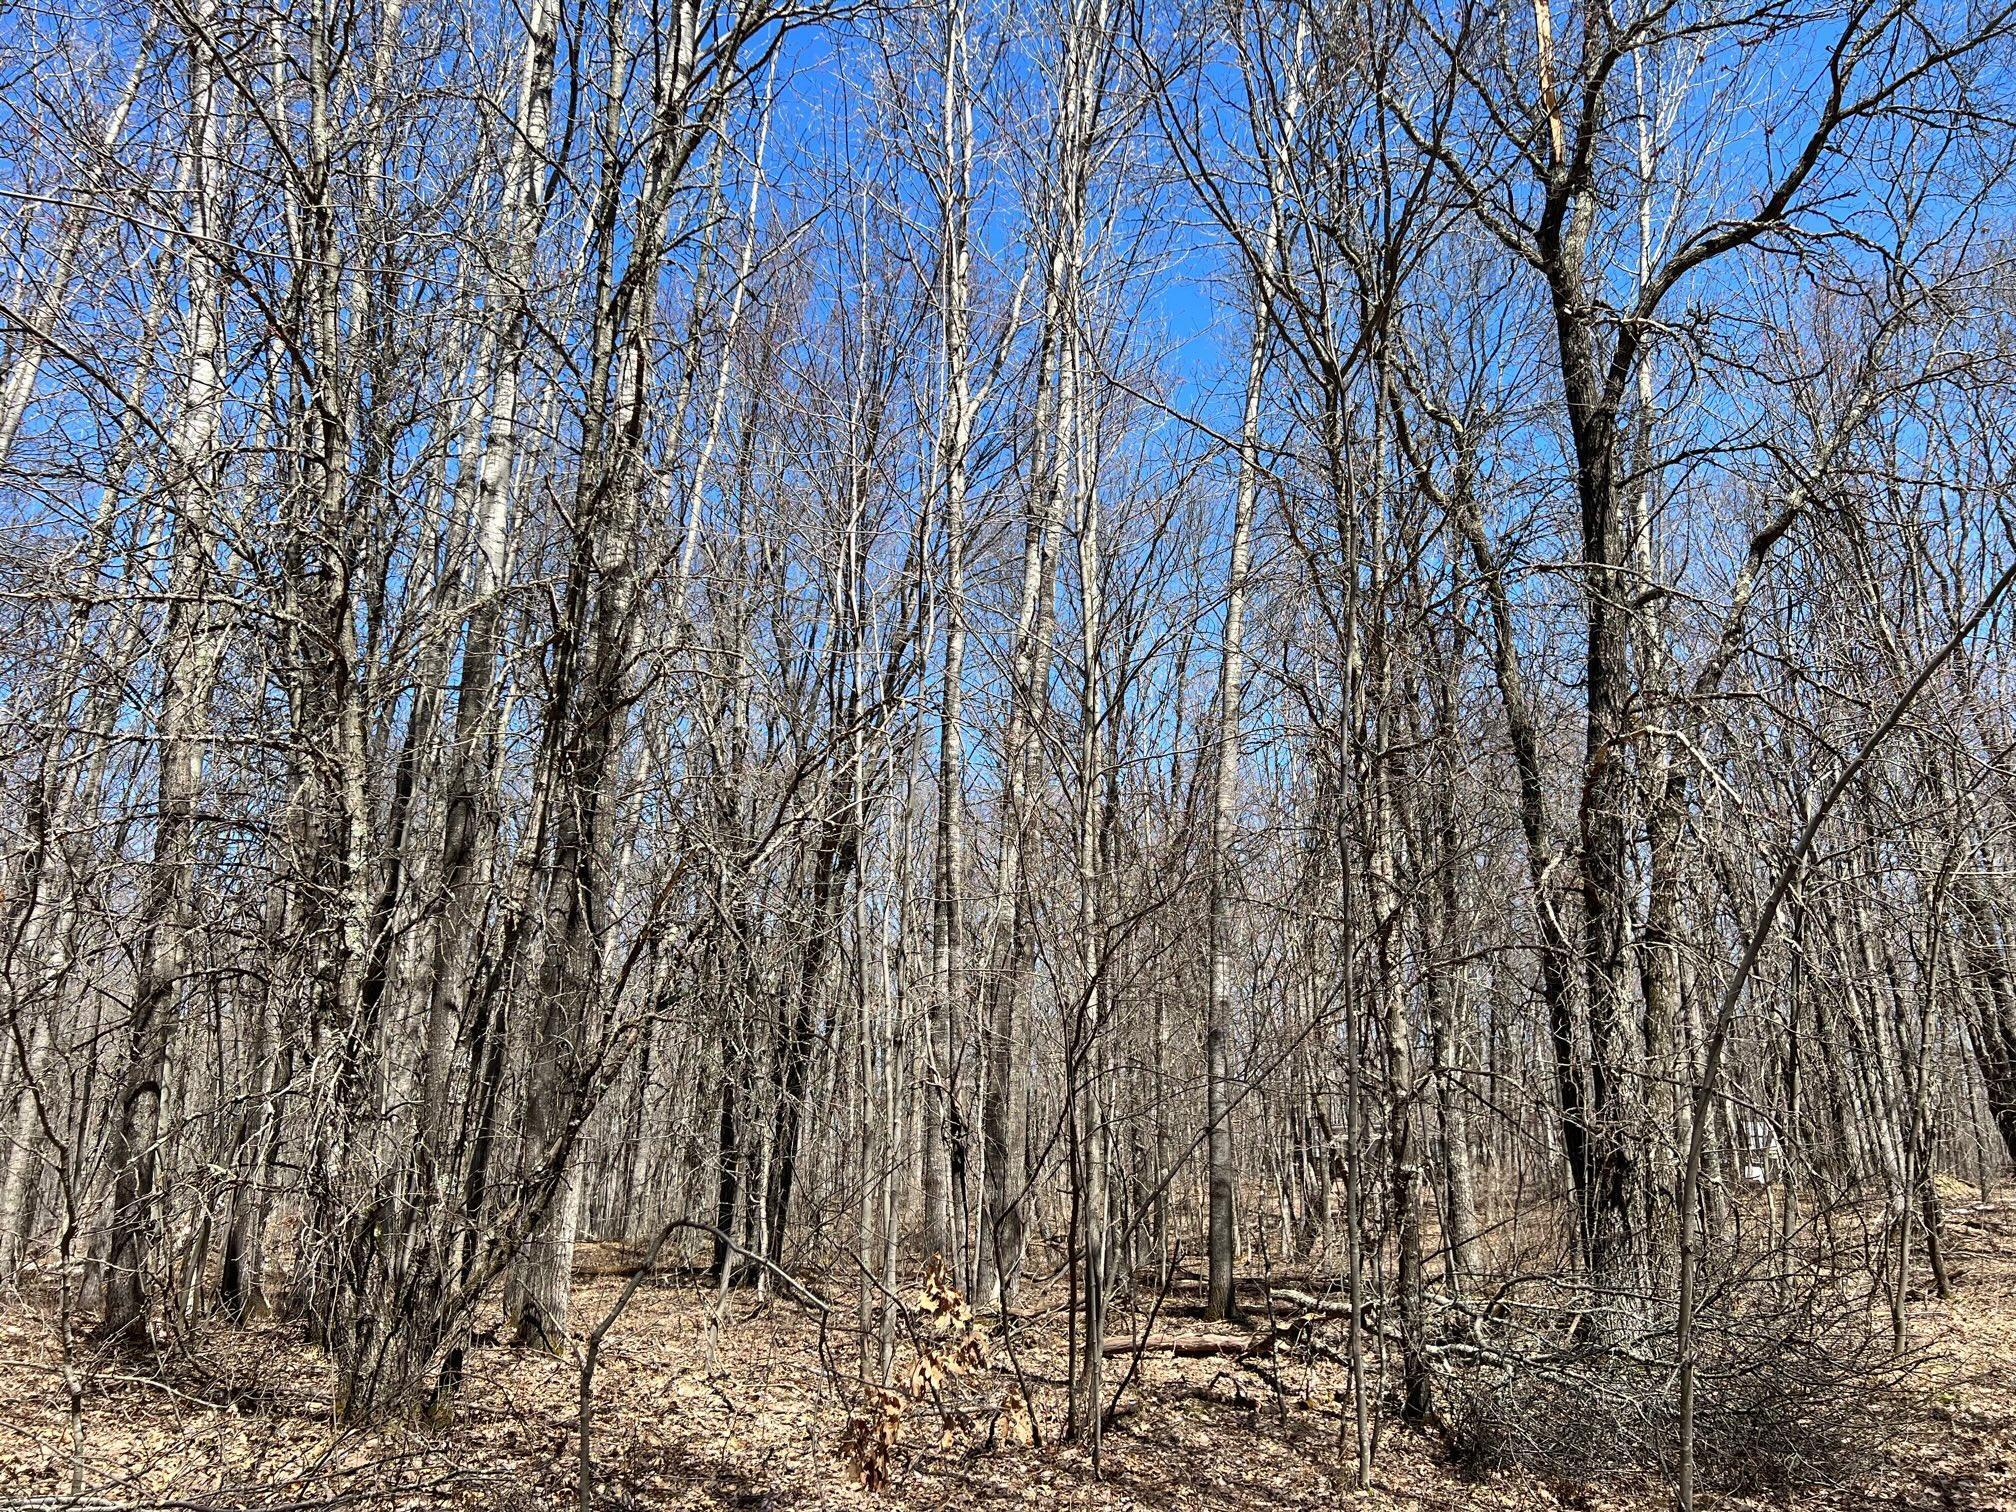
point(1790, 1391)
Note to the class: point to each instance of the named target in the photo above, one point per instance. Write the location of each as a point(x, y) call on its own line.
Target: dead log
point(1190, 1346)
point(1310, 1303)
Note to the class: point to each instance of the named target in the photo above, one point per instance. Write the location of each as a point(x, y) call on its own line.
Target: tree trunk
point(188, 655)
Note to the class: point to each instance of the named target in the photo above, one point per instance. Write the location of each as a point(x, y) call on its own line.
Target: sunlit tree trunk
point(187, 655)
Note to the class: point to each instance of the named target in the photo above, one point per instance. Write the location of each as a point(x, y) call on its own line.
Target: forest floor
point(750, 1418)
